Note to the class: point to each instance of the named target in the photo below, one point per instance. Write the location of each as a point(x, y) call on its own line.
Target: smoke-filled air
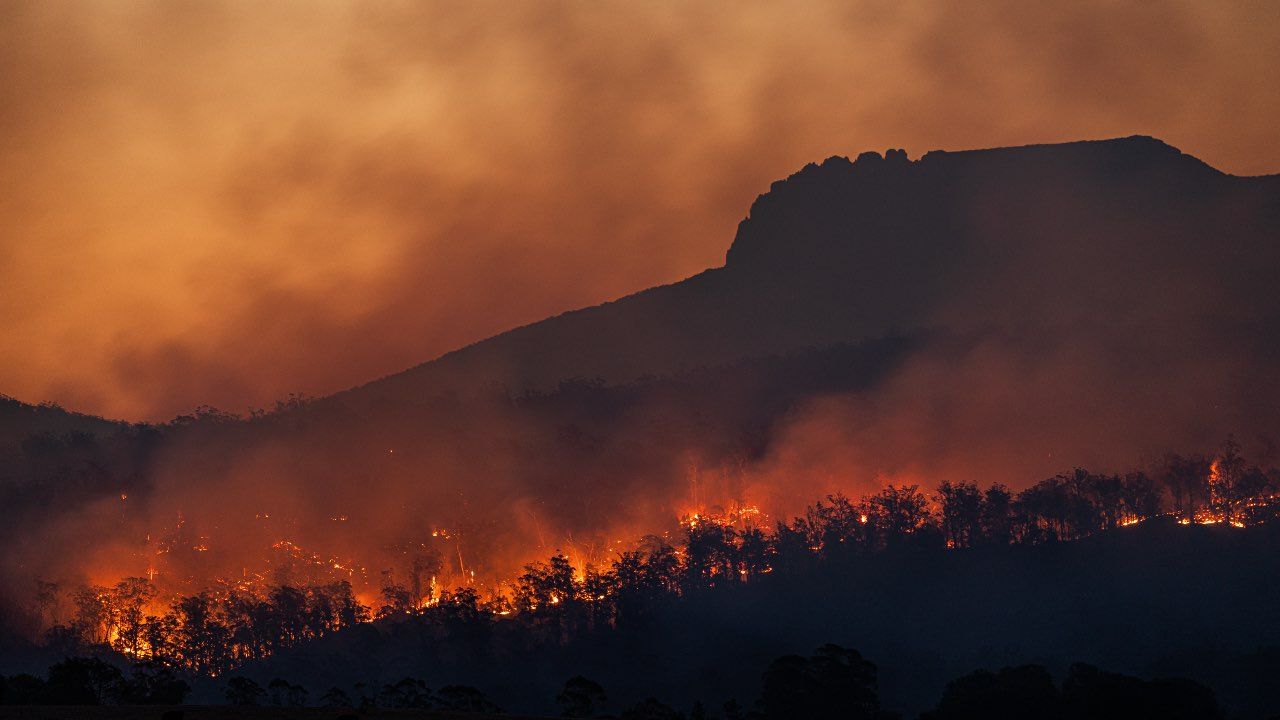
point(222, 203)
point(593, 322)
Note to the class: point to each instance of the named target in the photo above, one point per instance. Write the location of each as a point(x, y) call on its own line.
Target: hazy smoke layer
point(224, 202)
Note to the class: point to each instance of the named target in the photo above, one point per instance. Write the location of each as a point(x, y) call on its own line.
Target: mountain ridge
point(766, 246)
point(795, 227)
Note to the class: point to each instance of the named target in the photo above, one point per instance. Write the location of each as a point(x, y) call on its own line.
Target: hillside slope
point(19, 420)
point(845, 251)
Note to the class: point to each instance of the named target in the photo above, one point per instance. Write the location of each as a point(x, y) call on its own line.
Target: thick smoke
point(224, 203)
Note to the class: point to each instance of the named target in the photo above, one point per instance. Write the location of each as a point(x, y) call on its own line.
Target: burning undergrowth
point(714, 470)
point(216, 626)
point(458, 494)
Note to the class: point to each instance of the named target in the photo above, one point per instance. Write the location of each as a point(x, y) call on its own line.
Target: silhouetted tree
point(1025, 692)
point(25, 689)
point(335, 698)
point(250, 622)
point(284, 693)
point(754, 553)
point(278, 688)
point(793, 549)
point(833, 683)
point(597, 589)
point(1187, 479)
point(396, 600)
point(997, 515)
point(464, 698)
point(896, 513)
point(580, 698)
point(1141, 496)
point(47, 594)
point(203, 643)
point(64, 640)
point(710, 554)
point(546, 584)
point(288, 616)
point(1227, 491)
point(130, 597)
point(365, 699)
point(461, 610)
point(151, 683)
point(1106, 493)
point(407, 693)
point(1091, 693)
point(161, 636)
point(1059, 508)
point(83, 681)
point(94, 615)
point(341, 609)
point(961, 513)
point(244, 692)
point(644, 578)
point(835, 526)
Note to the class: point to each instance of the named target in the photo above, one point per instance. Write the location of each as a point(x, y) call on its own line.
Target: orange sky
point(225, 202)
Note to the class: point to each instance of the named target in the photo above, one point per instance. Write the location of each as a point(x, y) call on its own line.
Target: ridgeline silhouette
point(849, 250)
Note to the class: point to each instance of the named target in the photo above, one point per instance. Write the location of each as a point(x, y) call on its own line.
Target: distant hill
point(1117, 233)
point(19, 419)
point(849, 250)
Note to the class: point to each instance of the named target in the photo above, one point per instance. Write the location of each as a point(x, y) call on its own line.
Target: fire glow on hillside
point(166, 603)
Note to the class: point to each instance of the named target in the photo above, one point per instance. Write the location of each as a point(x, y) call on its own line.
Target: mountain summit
point(1129, 232)
point(849, 210)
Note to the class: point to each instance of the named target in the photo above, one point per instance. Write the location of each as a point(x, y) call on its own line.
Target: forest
point(211, 636)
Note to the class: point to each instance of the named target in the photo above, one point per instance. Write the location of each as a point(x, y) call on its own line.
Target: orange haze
point(225, 202)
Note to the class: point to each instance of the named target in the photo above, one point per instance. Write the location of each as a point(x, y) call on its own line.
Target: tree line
point(832, 682)
point(211, 633)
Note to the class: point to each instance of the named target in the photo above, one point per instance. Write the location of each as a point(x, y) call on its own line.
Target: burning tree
point(214, 630)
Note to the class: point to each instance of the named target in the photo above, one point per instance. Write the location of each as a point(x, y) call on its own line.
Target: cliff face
point(880, 211)
point(1127, 231)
